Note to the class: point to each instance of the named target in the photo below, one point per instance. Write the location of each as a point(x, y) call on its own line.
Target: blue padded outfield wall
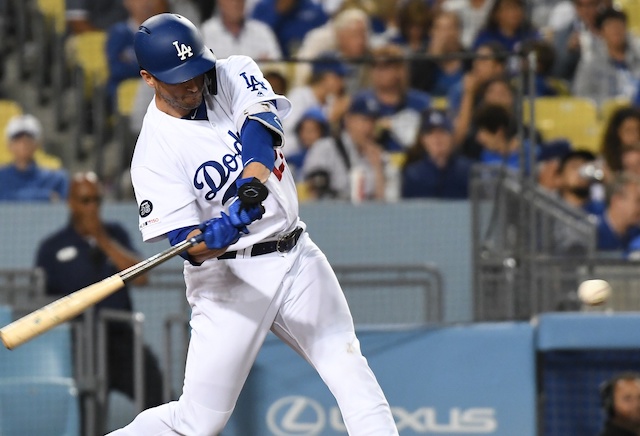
point(456, 381)
point(438, 232)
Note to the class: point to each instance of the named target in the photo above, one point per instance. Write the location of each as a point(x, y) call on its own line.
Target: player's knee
point(194, 419)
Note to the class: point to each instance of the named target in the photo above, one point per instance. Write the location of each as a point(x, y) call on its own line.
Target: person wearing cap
point(433, 169)
point(331, 164)
point(23, 179)
point(324, 91)
point(399, 106)
point(614, 69)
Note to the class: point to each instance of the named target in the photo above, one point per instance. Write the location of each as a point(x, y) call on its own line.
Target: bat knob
point(253, 192)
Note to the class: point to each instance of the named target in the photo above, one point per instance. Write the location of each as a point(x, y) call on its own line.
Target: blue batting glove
point(242, 214)
point(219, 232)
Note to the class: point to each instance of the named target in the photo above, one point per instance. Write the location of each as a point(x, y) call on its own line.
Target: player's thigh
point(315, 306)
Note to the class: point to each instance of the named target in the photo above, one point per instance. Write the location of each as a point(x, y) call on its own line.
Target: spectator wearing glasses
point(85, 251)
point(23, 179)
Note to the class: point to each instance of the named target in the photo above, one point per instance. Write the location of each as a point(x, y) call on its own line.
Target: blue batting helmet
point(171, 49)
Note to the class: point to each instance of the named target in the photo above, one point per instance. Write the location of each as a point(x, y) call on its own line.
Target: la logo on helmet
point(184, 51)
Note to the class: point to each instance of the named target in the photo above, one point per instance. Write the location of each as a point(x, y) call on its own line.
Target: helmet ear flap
point(211, 81)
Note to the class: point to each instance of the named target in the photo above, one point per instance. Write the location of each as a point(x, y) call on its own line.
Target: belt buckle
point(283, 240)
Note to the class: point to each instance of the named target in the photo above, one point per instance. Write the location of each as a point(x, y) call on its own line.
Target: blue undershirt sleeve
point(257, 144)
point(178, 235)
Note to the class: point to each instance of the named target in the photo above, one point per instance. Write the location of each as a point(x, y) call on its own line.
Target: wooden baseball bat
point(69, 306)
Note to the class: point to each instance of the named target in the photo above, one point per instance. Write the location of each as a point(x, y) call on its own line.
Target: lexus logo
point(296, 416)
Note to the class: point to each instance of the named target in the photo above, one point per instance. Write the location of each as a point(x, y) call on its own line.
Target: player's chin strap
point(265, 114)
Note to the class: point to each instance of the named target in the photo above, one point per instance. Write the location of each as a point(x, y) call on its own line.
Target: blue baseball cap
point(329, 62)
point(364, 105)
point(435, 119)
point(315, 114)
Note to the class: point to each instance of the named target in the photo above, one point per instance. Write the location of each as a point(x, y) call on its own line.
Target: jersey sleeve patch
point(146, 207)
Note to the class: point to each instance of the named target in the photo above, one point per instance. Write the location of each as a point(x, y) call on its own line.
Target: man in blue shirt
point(432, 168)
point(23, 179)
point(290, 20)
point(85, 251)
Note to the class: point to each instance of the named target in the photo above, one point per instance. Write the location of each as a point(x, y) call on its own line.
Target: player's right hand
point(220, 232)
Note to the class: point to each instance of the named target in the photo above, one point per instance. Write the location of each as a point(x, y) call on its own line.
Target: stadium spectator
point(230, 32)
point(619, 225)
point(348, 34)
point(437, 76)
point(324, 91)
point(545, 84)
point(85, 251)
point(631, 160)
point(576, 39)
point(489, 63)
point(414, 21)
point(276, 74)
point(620, 400)
point(350, 165)
point(614, 68)
point(622, 131)
point(311, 126)
point(473, 14)
point(574, 184)
point(290, 20)
point(91, 15)
point(399, 105)
point(432, 167)
point(121, 59)
point(23, 179)
point(507, 24)
point(496, 134)
point(498, 91)
point(548, 167)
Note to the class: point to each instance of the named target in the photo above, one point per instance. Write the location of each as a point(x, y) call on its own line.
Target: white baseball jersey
point(184, 170)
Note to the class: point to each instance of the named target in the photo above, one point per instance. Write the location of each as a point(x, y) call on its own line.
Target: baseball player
point(210, 144)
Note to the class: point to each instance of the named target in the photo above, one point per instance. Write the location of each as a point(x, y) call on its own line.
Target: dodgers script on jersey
point(181, 182)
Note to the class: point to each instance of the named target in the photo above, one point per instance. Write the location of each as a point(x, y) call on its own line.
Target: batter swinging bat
point(67, 307)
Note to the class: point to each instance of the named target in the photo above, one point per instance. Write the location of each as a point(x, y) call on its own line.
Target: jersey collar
point(199, 113)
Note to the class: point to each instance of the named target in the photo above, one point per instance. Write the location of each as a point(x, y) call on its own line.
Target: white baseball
point(594, 292)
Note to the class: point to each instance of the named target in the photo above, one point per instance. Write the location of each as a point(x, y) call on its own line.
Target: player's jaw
point(183, 97)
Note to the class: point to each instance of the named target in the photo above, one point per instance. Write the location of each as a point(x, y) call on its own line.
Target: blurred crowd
point(398, 99)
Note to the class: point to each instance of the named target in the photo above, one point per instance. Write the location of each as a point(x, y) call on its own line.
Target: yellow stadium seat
point(632, 9)
point(89, 54)
point(54, 12)
point(573, 118)
point(126, 95)
point(8, 110)
point(303, 192)
point(609, 106)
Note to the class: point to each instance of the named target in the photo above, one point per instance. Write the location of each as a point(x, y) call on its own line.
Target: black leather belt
point(282, 245)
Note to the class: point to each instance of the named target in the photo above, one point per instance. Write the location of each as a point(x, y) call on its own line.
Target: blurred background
point(464, 164)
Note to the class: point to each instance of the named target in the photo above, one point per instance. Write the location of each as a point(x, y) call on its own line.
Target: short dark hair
point(493, 117)
point(610, 14)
